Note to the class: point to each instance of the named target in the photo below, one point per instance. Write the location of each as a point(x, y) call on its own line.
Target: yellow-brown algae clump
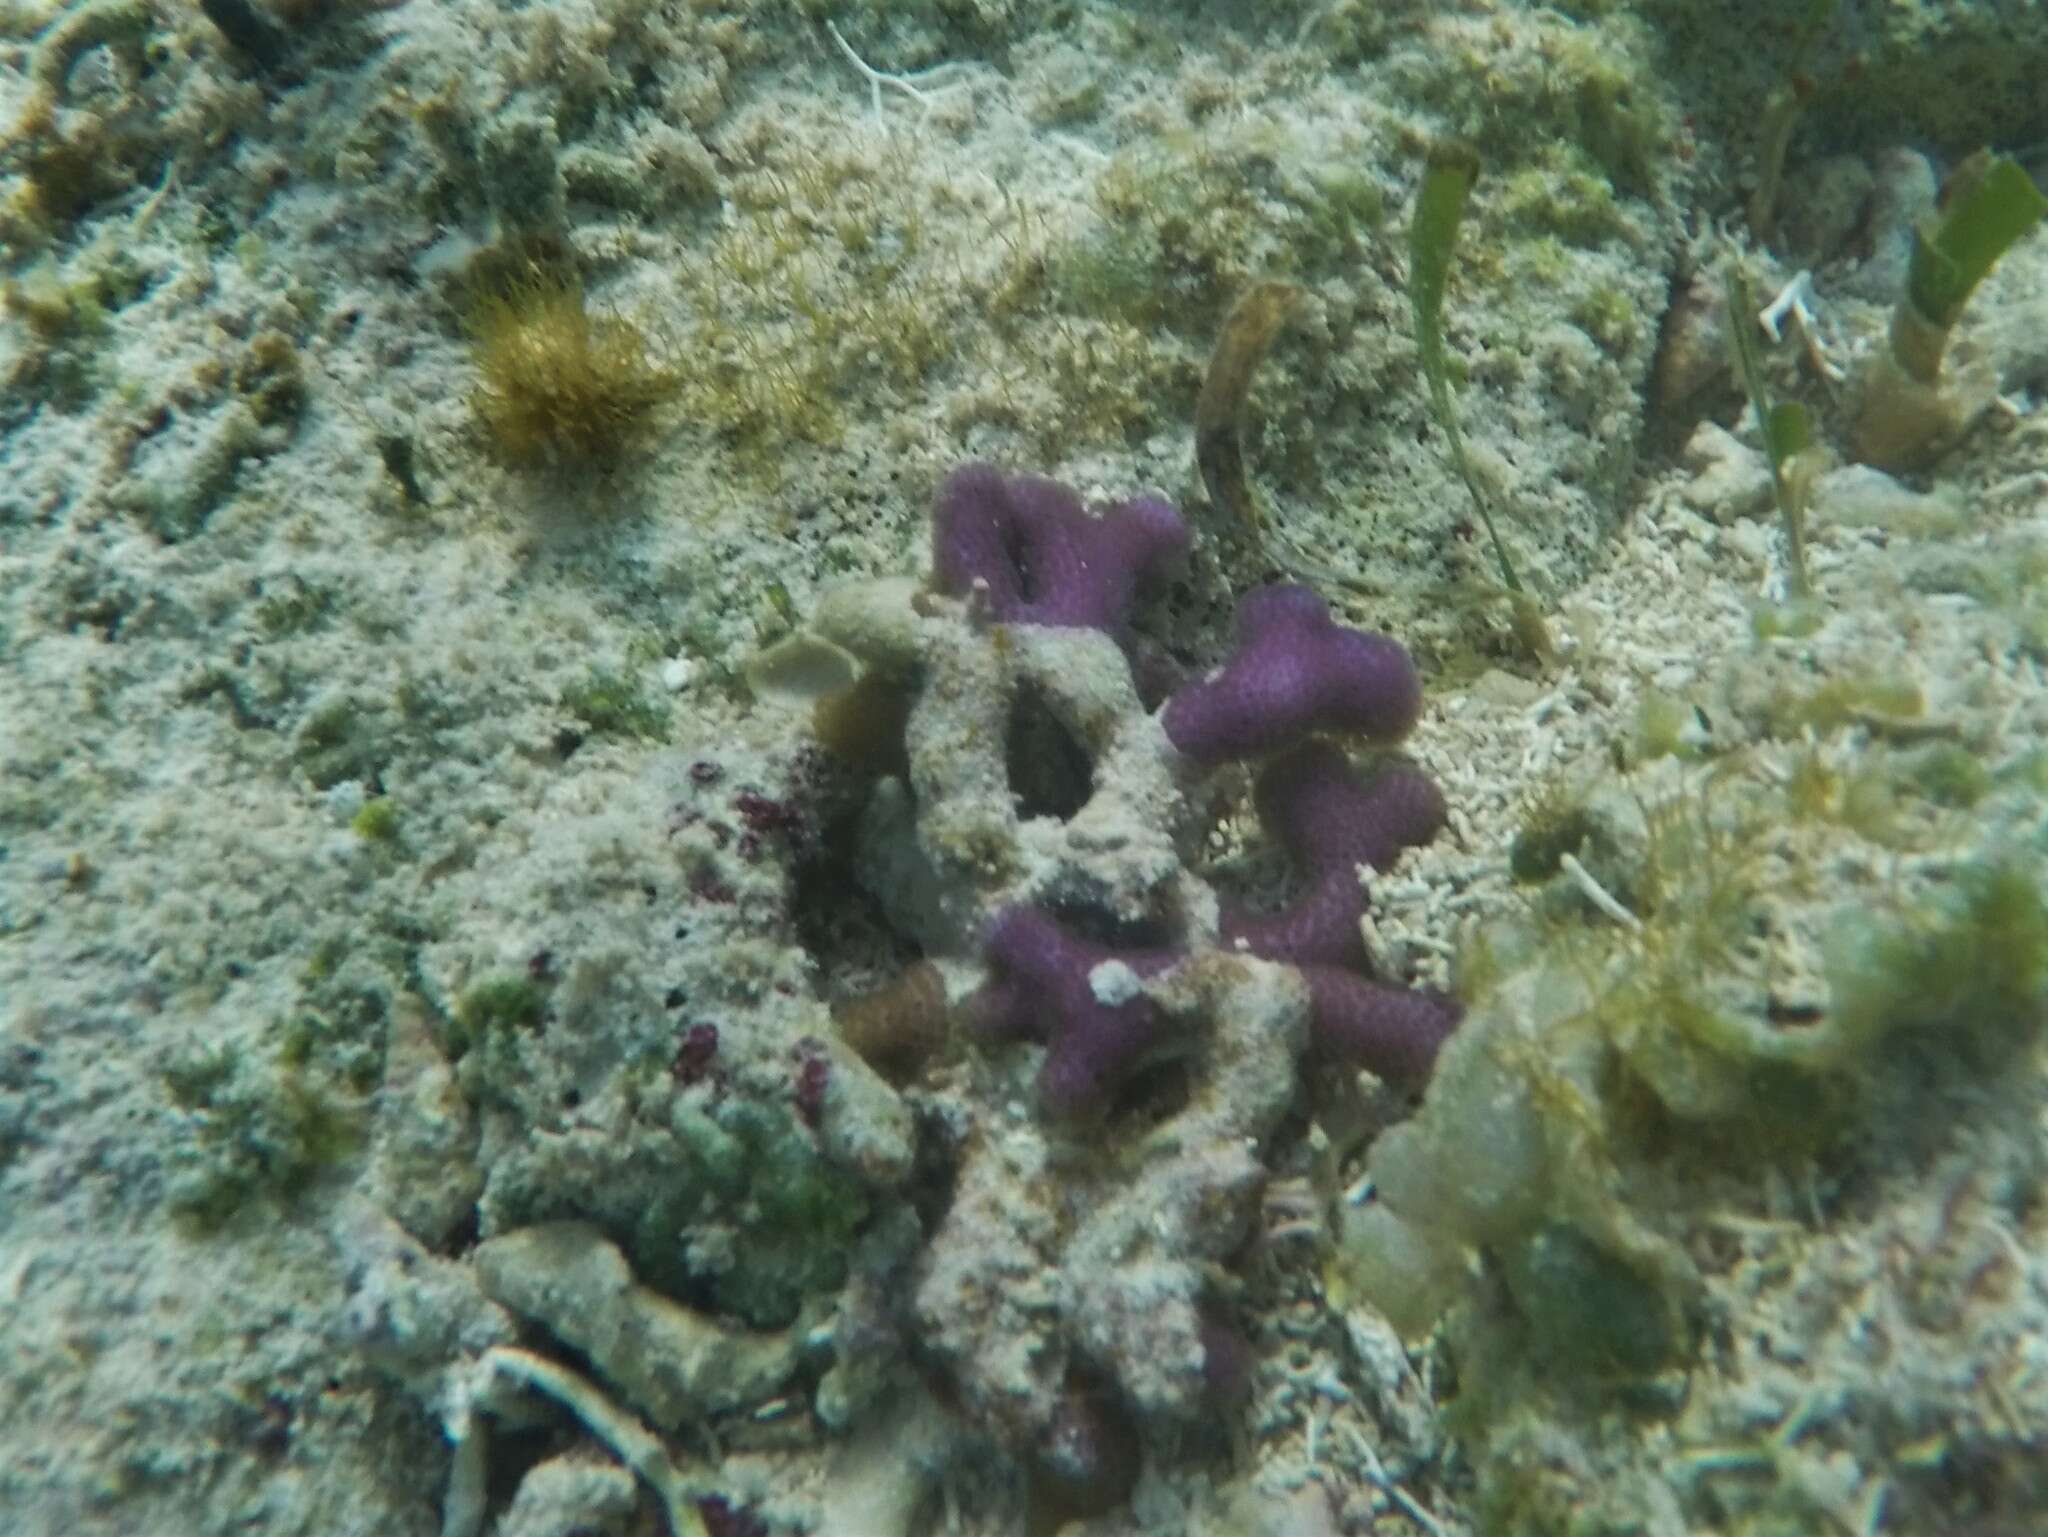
point(560, 385)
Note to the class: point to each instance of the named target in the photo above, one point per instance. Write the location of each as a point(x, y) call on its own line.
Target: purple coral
point(1040, 556)
point(1046, 984)
point(1082, 999)
point(1331, 822)
point(1296, 672)
point(1055, 806)
point(1394, 1031)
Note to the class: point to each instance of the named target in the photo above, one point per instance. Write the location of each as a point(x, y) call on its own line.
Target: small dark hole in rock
point(1152, 932)
point(512, 1453)
point(1156, 1093)
point(936, 1170)
point(838, 921)
point(1049, 769)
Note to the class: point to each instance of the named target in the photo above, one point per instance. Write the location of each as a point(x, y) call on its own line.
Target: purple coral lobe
point(1296, 672)
point(1394, 1031)
point(1331, 821)
point(1040, 556)
point(1320, 925)
point(1325, 814)
point(1042, 986)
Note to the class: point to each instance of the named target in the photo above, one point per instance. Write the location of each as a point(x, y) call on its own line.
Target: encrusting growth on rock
point(898, 1025)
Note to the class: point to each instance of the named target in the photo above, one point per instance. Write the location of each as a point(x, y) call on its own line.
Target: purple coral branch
point(1044, 985)
point(1393, 1031)
point(1296, 673)
point(1041, 557)
point(1331, 822)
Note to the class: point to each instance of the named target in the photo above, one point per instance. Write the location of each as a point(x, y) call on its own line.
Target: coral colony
point(1295, 677)
point(1034, 837)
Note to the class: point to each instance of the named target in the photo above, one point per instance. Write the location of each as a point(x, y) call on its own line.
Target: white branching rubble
point(437, 1326)
point(675, 1364)
point(494, 1386)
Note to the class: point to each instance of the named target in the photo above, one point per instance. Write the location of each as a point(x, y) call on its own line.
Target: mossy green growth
point(346, 737)
point(268, 377)
point(1554, 826)
point(54, 306)
point(1610, 107)
point(2029, 771)
point(1341, 208)
point(1536, 78)
point(1666, 726)
point(495, 1006)
point(358, 964)
point(1189, 214)
point(816, 292)
point(790, 1216)
point(1532, 1497)
point(337, 1026)
point(1968, 972)
point(1184, 226)
point(66, 321)
point(377, 822)
point(1662, 998)
point(1587, 1313)
point(1855, 699)
point(1948, 774)
point(1110, 272)
point(293, 607)
point(612, 704)
point(1561, 194)
point(1614, 1081)
point(1611, 317)
point(262, 1132)
point(1794, 619)
point(1862, 795)
point(559, 384)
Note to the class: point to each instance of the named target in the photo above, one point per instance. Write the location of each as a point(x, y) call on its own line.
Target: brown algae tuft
point(561, 385)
